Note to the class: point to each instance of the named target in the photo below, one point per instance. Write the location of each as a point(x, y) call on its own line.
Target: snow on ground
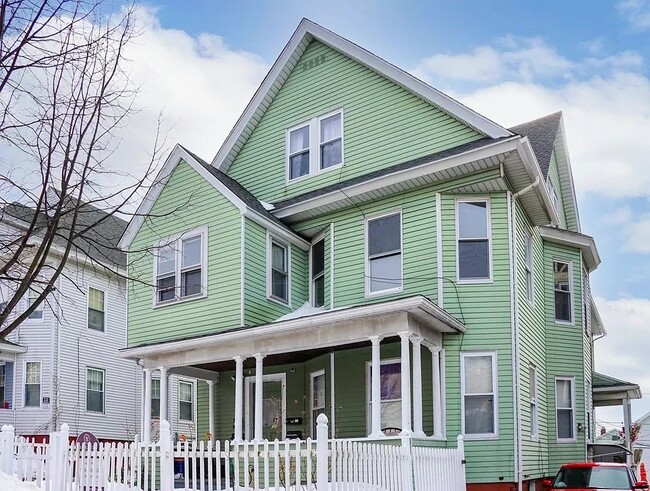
point(11, 483)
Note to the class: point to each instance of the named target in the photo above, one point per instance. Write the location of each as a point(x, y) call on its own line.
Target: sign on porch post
point(322, 452)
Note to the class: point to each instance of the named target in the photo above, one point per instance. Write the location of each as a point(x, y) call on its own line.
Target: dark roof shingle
point(542, 133)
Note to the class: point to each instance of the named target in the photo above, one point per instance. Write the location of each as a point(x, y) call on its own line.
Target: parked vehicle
point(594, 475)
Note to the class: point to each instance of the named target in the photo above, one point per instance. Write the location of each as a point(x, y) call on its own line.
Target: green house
point(367, 247)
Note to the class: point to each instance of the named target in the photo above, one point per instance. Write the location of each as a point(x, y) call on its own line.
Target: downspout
point(512, 199)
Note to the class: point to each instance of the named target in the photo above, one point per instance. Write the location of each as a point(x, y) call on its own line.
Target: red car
point(594, 475)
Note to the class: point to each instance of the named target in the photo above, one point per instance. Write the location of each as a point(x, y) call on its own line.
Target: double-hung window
point(528, 265)
point(555, 201)
point(478, 385)
point(390, 391)
point(317, 398)
point(38, 311)
point(278, 271)
point(473, 229)
point(95, 390)
point(315, 146)
point(563, 291)
point(534, 418)
point(185, 401)
point(33, 384)
point(180, 268)
point(155, 398)
point(318, 273)
point(3, 383)
point(96, 311)
point(384, 254)
point(564, 408)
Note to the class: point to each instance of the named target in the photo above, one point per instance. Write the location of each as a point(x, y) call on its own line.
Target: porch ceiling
point(305, 336)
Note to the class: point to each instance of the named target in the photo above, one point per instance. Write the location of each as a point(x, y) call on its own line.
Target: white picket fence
point(321, 464)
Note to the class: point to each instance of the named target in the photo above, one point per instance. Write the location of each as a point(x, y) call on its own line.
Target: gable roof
point(541, 133)
point(234, 192)
point(308, 31)
point(99, 243)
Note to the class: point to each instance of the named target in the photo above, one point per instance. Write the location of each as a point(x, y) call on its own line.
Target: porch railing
point(308, 465)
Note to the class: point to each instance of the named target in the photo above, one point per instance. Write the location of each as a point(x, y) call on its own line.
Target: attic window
point(555, 201)
point(315, 146)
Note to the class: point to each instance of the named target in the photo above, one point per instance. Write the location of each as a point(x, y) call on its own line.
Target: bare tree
point(64, 90)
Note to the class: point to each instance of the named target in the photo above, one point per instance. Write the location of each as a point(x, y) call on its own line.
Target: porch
point(375, 370)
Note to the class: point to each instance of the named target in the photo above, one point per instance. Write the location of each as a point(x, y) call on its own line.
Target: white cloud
point(522, 59)
point(636, 12)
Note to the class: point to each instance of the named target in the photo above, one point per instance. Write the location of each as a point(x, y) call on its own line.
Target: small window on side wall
point(384, 254)
point(318, 273)
point(278, 271)
point(473, 232)
point(96, 312)
point(186, 401)
point(479, 394)
point(563, 291)
point(37, 313)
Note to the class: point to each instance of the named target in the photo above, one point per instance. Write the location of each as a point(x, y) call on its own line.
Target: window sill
point(564, 323)
point(279, 301)
point(391, 291)
point(477, 281)
point(92, 329)
point(481, 436)
point(178, 301)
point(94, 413)
point(315, 174)
point(567, 440)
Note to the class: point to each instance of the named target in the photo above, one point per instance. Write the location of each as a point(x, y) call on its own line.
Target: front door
point(273, 407)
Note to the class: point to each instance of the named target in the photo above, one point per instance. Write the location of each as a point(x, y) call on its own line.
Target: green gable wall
point(257, 308)
point(383, 125)
point(565, 356)
point(187, 202)
point(554, 178)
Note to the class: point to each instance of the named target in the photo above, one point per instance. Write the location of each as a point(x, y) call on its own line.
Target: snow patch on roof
point(303, 311)
point(267, 206)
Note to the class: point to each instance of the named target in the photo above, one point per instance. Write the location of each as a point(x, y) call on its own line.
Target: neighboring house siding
point(532, 349)
point(82, 348)
point(383, 125)
point(258, 308)
point(186, 203)
point(565, 356)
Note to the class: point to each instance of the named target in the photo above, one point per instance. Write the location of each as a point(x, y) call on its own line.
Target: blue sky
point(199, 63)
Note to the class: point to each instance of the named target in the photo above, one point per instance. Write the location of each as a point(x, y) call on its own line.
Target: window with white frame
point(555, 201)
point(185, 401)
point(180, 268)
point(32, 298)
point(278, 271)
point(318, 273)
point(315, 146)
point(384, 253)
point(563, 291)
point(564, 408)
point(534, 417)
point(3, 383)
point(528, 265)
point(390, 392)
point(33, 384)
point(317, 398)
point(155, 398)
point(478, 385)
point(95, 390)
point(96, 310)
point(473, 229)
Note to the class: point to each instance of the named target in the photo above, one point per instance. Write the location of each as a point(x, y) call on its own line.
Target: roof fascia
point(177, 155)
point(307, 28)
point(569, 191)
point(275, 229)
point(599, 321)
point(574, 239)
point(533, 169)
point(399, 176)
point(14, 349)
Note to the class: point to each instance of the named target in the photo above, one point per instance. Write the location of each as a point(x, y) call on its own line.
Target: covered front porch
point(375, 370)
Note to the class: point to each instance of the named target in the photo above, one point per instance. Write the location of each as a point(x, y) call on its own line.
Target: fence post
point(408, 464)
point(322, 453)
point(461, 453)
point(166, 457)
point(7, 439)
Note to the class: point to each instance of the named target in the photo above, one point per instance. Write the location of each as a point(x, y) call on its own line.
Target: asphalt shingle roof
point(541, 132)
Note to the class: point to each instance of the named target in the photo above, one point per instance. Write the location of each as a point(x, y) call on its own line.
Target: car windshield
point(593, 478)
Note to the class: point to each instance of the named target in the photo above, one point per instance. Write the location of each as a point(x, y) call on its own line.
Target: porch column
point(627, 419)
point(259, 391)
point(142, 389)
point(163, 394)
point(146, 431)
point(375, 403)
point(417, 388)
point(406, 384)
point(239, 397)
point(211, 408)
point(437, 400)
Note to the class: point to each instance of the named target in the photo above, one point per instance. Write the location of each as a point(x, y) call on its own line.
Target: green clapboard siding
point(187, 202)
point(532, 349)
point(554, 178)
point(257, 308)
point(383, 125)
point(565, 357)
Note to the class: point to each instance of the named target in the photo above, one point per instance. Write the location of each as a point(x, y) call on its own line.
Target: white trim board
point(308, 31)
